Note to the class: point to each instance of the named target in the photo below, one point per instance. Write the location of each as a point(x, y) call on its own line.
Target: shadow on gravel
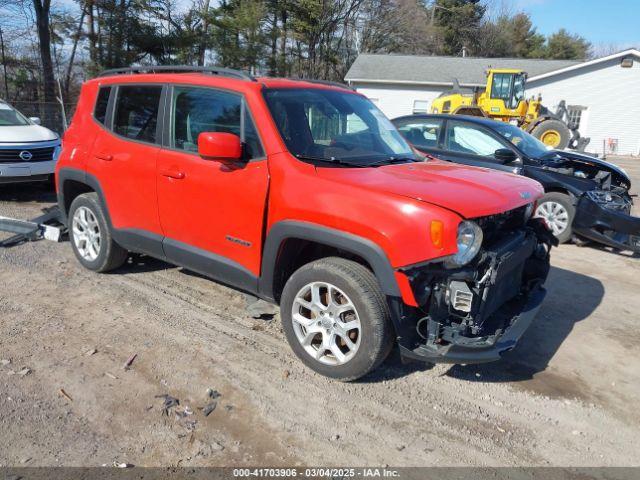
point(139, 263)
point(571, 297)
point(610, 250)
point(393, 368)
point(42, 192)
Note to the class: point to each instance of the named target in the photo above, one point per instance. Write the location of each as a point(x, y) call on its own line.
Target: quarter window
point(465, 138)
point(197, 110)
point(136, 115)
point(100, 112)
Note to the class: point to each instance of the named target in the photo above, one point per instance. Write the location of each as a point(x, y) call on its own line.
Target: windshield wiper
point(391, 160)
point(338, 161)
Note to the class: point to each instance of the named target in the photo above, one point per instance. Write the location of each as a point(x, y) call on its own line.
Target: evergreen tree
point(563, 45)
point(460, 22)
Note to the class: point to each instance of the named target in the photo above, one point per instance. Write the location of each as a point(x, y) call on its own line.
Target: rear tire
point(347, 314)
point(554, 133)
point(558, 212)
point(90, 235)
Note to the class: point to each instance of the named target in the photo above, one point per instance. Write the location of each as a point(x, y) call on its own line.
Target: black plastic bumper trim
point(483, 354)
point(591, 218)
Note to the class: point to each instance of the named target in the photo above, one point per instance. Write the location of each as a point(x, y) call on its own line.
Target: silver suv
point(28, 151)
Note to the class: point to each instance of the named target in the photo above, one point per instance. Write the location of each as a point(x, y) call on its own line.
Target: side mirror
point(505, 155)
point(36, 120)
point(225, 147)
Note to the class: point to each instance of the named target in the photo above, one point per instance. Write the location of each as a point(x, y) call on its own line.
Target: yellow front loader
point(504, 99)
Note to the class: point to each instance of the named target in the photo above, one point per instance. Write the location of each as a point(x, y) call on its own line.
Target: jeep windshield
point(334, 126)
point(10, 117)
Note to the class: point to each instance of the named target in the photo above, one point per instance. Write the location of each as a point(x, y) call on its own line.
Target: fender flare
point(363, 247)
point(79, 176)
point(132, 239)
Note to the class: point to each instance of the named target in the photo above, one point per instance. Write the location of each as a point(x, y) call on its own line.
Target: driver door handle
point(171, 173)
point(104, 156)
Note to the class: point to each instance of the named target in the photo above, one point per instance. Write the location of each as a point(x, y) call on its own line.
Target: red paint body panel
point(202, 202)
point(219, 145)
point(470, 191)
point(398, 224)
point(78, 139)
point(214, 201)
point(127, 173)
point(405, 289)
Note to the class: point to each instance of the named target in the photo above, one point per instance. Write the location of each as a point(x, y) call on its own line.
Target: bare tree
point(42, 10)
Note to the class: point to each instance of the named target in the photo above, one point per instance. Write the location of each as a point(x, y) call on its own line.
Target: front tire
point(558, 212)
point(90, 235)
point(336, 318)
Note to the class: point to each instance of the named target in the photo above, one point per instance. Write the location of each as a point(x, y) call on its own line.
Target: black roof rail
point(323, 82)
point(223, 72)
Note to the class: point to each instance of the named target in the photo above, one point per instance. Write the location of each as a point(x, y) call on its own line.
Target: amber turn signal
point(437, 229)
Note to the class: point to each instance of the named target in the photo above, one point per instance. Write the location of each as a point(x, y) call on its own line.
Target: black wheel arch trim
point(289, 230)
point(76, 175)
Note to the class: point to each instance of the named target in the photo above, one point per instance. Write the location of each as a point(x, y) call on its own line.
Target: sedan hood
point(469, 191)
point(580, 160)
point(26, 134)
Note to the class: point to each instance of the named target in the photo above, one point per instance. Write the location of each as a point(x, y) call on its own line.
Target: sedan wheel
point(555, 215)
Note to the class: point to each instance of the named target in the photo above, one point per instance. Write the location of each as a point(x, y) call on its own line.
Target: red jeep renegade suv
point(304, 194)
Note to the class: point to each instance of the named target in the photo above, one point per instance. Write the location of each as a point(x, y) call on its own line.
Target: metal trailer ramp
point(47, 226)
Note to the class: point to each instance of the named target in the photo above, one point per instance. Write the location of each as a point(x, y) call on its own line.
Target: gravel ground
point(566, 396)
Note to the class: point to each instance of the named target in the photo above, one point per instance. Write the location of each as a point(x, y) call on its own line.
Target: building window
point(420, 106)
point(575, 115)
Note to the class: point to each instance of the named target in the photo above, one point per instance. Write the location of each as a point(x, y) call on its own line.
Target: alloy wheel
point(326, 323)
point(86, 234)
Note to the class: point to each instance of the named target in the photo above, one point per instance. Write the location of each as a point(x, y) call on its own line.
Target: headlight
point(469, 242)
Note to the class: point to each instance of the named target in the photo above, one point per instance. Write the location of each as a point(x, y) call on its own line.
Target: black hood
point(580, 160)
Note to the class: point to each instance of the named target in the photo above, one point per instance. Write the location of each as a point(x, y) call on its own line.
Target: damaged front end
point(475, 313)
point(601, 194)
point(604, 216)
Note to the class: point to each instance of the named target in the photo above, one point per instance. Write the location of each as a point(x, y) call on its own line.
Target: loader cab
point(505, 92)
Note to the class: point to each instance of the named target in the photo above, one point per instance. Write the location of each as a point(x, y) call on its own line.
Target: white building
point(603, 95)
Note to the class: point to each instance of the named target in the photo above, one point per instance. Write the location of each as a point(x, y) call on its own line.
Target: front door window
point(471, 139)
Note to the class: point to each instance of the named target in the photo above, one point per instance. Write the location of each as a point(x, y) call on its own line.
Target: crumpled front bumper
point(484, 350)
point(614, 228)
point(477, 312)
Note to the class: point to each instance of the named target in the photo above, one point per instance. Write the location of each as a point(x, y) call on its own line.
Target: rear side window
point(100, 112)
point(197, 110)
point(136, 112)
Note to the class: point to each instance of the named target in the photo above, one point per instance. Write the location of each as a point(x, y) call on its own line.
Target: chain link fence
point(53, 115)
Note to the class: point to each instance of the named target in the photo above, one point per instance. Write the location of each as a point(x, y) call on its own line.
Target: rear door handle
point(104, 156)
point(173, 174)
